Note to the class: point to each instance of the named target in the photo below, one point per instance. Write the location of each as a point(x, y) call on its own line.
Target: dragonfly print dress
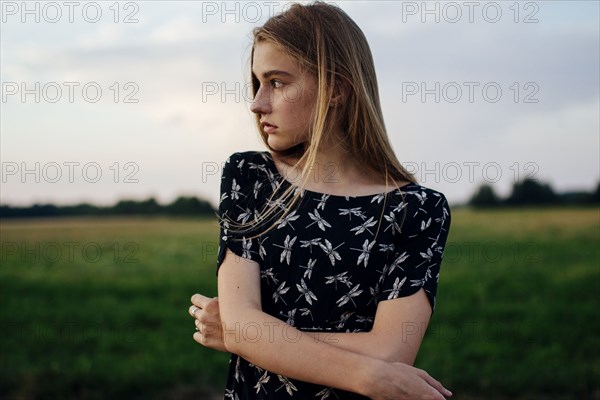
point(326, 265)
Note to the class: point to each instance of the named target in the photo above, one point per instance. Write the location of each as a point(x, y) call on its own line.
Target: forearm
point(368, 344)
point(282, 349)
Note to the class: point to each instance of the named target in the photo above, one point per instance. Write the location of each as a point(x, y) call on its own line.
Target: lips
point(267, 127)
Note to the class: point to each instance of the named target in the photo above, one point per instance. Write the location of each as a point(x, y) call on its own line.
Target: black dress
point(327, 265)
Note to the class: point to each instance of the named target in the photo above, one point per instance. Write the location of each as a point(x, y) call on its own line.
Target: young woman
point(329, 251)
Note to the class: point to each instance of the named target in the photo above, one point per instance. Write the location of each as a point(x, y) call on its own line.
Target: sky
point(105, 100)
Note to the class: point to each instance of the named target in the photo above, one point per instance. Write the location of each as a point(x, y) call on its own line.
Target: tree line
point(532, 192)
point(182, 206)
point(524, 193)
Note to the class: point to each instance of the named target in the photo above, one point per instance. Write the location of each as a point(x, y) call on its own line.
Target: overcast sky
point(103, 101)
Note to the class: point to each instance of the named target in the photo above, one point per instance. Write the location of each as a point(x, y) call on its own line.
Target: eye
point(276, 83)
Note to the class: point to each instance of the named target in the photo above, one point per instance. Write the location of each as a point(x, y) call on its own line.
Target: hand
point(401, 381)
point(205, 312)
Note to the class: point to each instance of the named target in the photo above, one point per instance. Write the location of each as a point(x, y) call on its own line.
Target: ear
point(340, 93)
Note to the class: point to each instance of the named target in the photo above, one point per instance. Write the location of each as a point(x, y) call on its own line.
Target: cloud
point(174, 54)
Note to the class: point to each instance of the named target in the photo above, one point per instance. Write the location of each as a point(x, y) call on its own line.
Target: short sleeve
point(418, 250)
point(236, 206)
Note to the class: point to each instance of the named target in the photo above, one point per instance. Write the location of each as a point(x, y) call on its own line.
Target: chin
point(280, 145)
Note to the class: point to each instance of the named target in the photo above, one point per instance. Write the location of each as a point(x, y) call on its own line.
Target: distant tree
point(485, 197)
point(595, 198)
point(189, 206)
point(530, 191)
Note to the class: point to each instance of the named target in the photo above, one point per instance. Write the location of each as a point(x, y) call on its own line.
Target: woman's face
point(285, 99)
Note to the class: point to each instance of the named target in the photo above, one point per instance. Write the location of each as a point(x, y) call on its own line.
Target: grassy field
point(95, 309)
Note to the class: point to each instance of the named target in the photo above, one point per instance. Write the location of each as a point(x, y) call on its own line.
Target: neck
point(335, 169)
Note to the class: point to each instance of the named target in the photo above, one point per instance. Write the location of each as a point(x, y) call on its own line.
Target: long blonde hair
point(327, 43)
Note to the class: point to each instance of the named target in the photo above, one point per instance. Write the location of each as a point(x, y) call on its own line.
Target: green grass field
point(95, 309)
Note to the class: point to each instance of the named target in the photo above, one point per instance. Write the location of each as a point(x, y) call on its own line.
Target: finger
point(200, 300)
point(198, 337)
point(212, 306)
point(436, 385)
point(192, 310)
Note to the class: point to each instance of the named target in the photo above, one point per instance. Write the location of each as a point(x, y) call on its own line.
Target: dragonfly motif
point(418, 282)
point(240, 164)
point(287, 220)
point(325, 393)
point(364, 226)
point(225, 229)
point(286, 254)
point(306, 311)
point(427, 256)
point(392, 223)
point(378, 198)
point(374, 293)
point(386, 247)
point(305, 291)
point(365, 252)
point(272, 180)
point(309, 268)
point(276, 203)
point(383, 273)
point(425, 225)
point(363, 319)
point(256, 189)
point(321, 223)
point(342, 278)
point(261, 249)
point(258, 167)
point(310, 243)
point(422, 197)
point(246, 245)
point(322, 201)
point(395, 290)
point(238, 373)
point(399, 260)
point(343, 319)
point(235, 190)
point(269, 274)
point(291, 314)
point(289, 386)
point(399, 207)
point(352, 211)
point(223, 197)
point(331, 251)
point(354, 292)
point(281, 290)
point(261, 381)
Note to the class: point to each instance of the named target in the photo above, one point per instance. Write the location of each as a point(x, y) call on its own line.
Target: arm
point(385, 341)
point(304, 358)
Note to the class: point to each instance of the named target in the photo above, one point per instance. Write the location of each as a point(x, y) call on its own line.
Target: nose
point(261, 103)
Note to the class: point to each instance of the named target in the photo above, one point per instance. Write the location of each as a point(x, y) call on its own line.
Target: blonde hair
point(327, 43)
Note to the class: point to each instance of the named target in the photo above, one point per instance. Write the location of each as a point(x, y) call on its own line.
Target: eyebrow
point(268, 74)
